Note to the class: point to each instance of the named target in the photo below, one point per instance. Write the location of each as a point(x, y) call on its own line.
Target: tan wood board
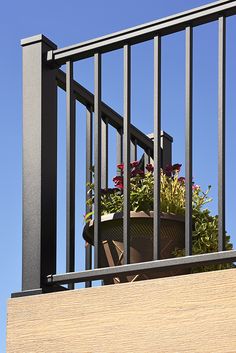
point(192, 313)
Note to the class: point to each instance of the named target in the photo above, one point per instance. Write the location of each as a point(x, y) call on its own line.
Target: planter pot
point(141, 242)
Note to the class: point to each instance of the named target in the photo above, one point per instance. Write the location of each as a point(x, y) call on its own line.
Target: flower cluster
point(135, 171)
point(170, 171)
point(172, 190)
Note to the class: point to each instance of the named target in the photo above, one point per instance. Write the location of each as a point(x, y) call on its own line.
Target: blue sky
point(75, 21)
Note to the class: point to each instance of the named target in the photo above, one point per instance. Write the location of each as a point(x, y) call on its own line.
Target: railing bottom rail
point(159, 265)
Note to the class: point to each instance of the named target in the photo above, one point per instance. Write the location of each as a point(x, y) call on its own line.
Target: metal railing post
point(39, 164)
point(166, 148)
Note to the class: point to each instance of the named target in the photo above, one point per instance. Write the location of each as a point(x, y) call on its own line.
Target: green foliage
point(205, 239)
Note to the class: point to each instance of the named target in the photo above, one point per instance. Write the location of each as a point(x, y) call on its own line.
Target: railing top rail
point(141, 33)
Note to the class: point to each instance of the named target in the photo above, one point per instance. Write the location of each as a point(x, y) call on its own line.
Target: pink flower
point(181, 179)
point(176, 167)
point(149, 167)
point(196, 187)
point(134, 164)
point(118, 180)
point(168, 170)
point(120, 166)
point(136, 171)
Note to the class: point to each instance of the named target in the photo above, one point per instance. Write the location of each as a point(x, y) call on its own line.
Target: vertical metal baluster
point(127, 86)
point(157, 148)
point(133, 152)
point(188, 144)
point(70, 171)
point(119, 148)
point(104, 181)
point(89, 164)
point(97, 157)
point(221, 135)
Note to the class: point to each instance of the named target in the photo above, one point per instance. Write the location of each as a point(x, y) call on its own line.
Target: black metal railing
point(41, 62)
point(137, 139)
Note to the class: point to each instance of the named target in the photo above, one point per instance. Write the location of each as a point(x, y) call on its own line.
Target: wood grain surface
point(192, 313)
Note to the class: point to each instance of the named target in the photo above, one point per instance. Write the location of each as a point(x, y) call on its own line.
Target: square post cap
point(36, 39)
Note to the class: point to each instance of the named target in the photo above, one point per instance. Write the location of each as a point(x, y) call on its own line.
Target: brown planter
point(141, 241)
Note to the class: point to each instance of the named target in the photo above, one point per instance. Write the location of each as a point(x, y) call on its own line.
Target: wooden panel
point(192, 313)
